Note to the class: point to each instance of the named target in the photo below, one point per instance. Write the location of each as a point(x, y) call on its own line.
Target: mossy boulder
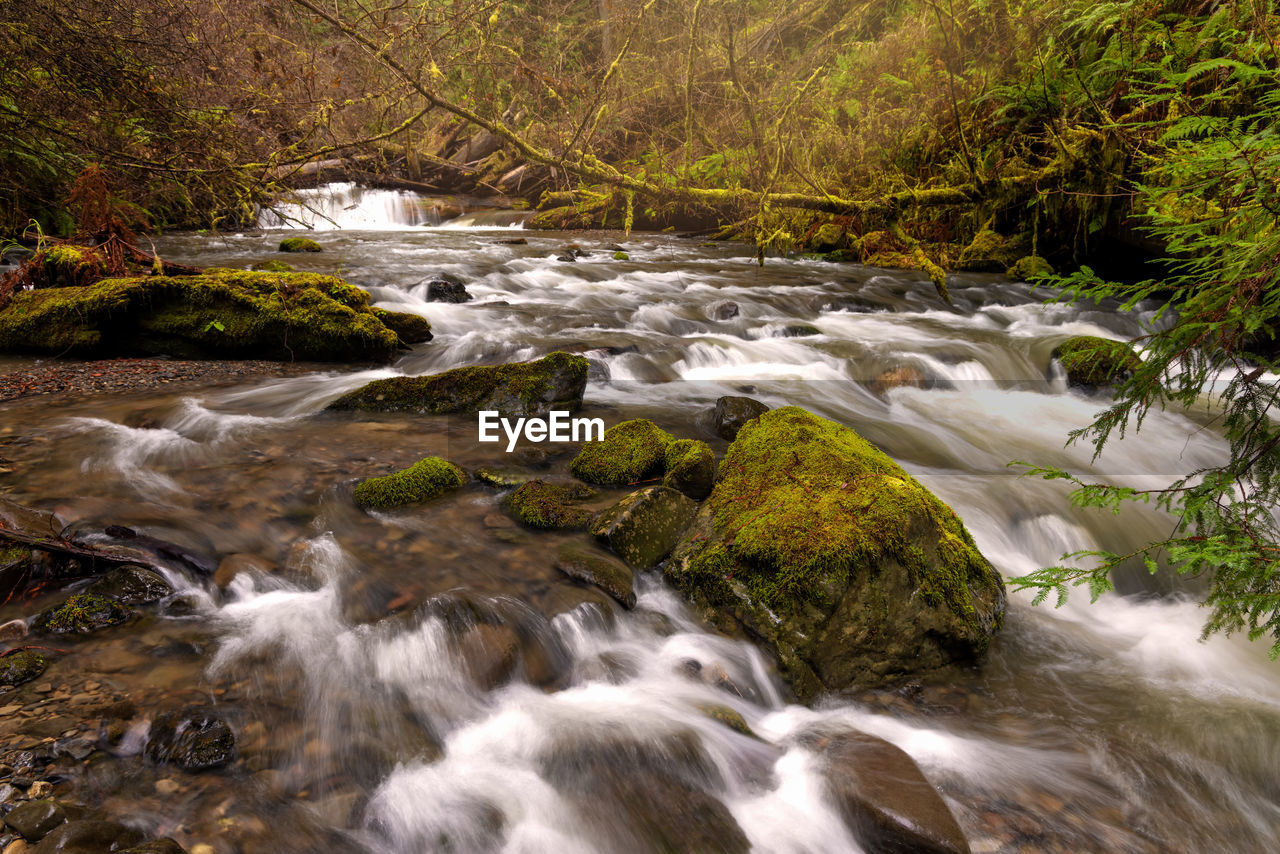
point(621, 256)
point(194, 739)
point(728, 716)
point(690, 467)
point(420, 482)
point(629, 452)
point(131, 585)
point(411, 328)
point(21, 666)
point(1092, 362)
point(556, 381)
point(1029, 267)
point(989, 252)
point(820, 545)
point(644, 526)
point(81, 614)
point(828, 238)
point(68, 265)
point(592, 566)
point(233, 314)
point(732, 412)
point(299, 244)
point(549, 506)
point(274, 266)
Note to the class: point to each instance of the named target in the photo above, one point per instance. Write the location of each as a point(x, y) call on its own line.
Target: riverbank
point(74, 378)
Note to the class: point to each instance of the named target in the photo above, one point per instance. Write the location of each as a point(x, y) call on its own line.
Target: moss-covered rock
point(193, 739)
point(299, 244)
point(1029, 267)
point(631, 451)
point(730, 717)
point(421, 481)
point(644, 526)
point(234, 314)
point(274, 266)
point(549, 506)
point(131, 585)
point(828, 238)
point(732, 412)
point(522, 388)
point(68, 265)
point(621, 256)
point(824, 548)
point(593, 566)
point(21, 666)
point(411, 328)
point(81, 614)
point(691, 468)
point(1091, 361)
point(988, 252)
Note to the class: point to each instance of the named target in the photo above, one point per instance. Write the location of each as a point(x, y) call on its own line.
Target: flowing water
point(425, 681)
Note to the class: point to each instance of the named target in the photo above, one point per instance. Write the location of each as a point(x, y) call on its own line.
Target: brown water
point(367, 708)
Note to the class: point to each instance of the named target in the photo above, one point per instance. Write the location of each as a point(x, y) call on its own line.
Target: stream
point(360, 678)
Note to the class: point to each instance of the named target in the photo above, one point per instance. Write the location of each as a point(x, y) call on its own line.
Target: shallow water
point(361, 677)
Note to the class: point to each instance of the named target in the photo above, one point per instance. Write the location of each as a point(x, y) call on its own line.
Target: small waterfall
point(349, 206)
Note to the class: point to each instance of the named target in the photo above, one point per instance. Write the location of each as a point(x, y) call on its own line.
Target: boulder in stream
point(299, 244)
point(549, 506)
point(593, 566)
point(88, 836)
point(227, 314)
point(132, 585)
point(194, 739)
point(411, 328)
point(722, 309)
point(34, 819)
point(732, 412)
point(556, 381)
point(1093, 362)
point(630, 451)
point(643, 527)
point(81, 614)
point(818, 544)
point(17, 667)
point(691, 468)
point(421, 481)
point(446, 288)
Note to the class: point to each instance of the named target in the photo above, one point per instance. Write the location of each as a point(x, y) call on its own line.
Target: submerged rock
point(643, 527)
point(556, 381)
point(299, 244)
point(1092, 362)
point(723, 309)
point(691, 468)
point(631, 451)
point(421, 481)
point(131, 585)
point(232, 314)
point(34, 819)
point(81, 614)
point(824, 548)
point(897, 378)
point(445, 288)
point(884, 797)
point(88, 837)
point(733, 412)
point(21, 666)
point(194, 739)
point(592, 566)
point(549, 506)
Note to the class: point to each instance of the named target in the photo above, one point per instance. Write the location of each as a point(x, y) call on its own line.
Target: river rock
point(549, 506)
point(897, 378)
point(722, 309)
point(421, 481)
point(822, 547)
point(447, 288)
point(643, 527)
point(224, 314)
point(194, 739)
point(989, 252)
point(409, 328)
point(132, 585)
point(884, 796)
point(800, 330)
point(556, 381)
point(592, 566)
point(34, 819)
point(732, 412)
point(630, 451)
point(81, 614)
point(164, 845)
point(691, 468)
point(503, 478)
point(18, 667)
point(234, 564)
point(299, 244)
point(88, 837)
point(1093, 362)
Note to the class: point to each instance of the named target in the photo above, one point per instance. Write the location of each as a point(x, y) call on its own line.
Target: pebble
point(8, 710)
point(40, 789)
point(202, 848)
point(43, 688)
point(167, 787)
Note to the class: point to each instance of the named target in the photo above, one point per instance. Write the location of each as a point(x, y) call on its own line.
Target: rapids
point(1106, 727)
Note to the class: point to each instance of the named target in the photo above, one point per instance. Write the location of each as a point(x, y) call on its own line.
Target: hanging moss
point(299, 244)
point(421, 481)
point(630, 452)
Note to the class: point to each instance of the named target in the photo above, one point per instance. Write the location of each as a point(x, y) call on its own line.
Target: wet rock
point(518, 389)
point(631, 451)
point(131, 585)
point(34, 819)
point(447, 289)
point(513, 241)
point(1093, 362)
point(194, 739)
point(644, 526)
point(732, 412)
point(13, 630)
point(723, 309)
point(299, 244)
point(827, 551)
point(273, 266)
point(728, 716)
point(884, 796)
point(621, 256)
point(896, 378)
point(592, 566)
point(88, 837)
point(21, 666)
point(232, 565)
point(691, 468)
point(164, 845)
point(800, 330)
point(491, 653)
point(146, 544)
point(1029, 267)
point(409, 328)
point(80, 614)
point(421, 481)
point(548, 506)
point(503, 478)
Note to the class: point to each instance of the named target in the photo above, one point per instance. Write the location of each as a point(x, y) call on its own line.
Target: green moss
point(1092, 361)
point(69, 265)
point(421, 481)
point(554, 381)
point(802, 503)
point(630, 452)
point(690, 467)
point(20, 666)
point(299, 244)
point(988, 252)
point(1029, 267)
point(621, 256)
point(274, 266)
point(222, 313)
point(727, 716)
point(827, 238)
point(411, 328)
point(549, 506)
point(81, 614)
